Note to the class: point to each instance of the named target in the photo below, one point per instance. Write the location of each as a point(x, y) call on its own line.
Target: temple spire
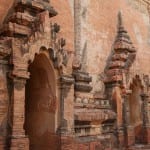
point(123, 41)
point(123, 56)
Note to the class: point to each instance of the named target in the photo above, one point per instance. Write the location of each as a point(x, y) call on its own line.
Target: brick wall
point(99, 29)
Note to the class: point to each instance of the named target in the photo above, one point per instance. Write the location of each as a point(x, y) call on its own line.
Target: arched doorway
point(40, 105)
point(135, 104)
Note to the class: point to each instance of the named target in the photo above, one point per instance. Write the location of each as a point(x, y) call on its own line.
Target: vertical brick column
point(4, 103)
point(67, 112)
point(146, 118)
point(130, 135)
point(121, 137)
point(129, 130)
point(77, 30)
point(18, 139)
point(115, 92)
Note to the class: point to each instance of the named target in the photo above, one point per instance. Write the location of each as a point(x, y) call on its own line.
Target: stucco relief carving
point(29, 33)
point(5, 47)
point(19, 84)
point(58, 55)
point(53, 46)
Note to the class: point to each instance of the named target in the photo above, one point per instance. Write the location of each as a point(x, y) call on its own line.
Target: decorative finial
point(120, 21)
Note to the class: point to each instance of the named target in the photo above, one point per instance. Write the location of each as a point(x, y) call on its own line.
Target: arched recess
point(41, 106)
point(135, 106)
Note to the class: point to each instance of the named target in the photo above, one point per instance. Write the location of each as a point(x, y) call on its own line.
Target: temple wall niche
point(40, 104)
point(98, 28)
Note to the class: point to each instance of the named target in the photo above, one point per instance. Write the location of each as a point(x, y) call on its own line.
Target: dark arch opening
point(40, 105)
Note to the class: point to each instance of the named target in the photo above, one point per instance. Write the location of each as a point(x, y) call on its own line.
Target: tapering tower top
point(123, 56)
point(123, 41)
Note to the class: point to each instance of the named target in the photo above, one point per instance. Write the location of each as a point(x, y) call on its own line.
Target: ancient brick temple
point(74, 74)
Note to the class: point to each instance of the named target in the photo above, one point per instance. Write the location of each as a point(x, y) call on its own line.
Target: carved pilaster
point(130, 136)
point(146, 118)
point(66, 100)
point(129, 130)
point(121, 138)
point(18, 140)
point(67, 113)
point(5, 51)
point(126, 109)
